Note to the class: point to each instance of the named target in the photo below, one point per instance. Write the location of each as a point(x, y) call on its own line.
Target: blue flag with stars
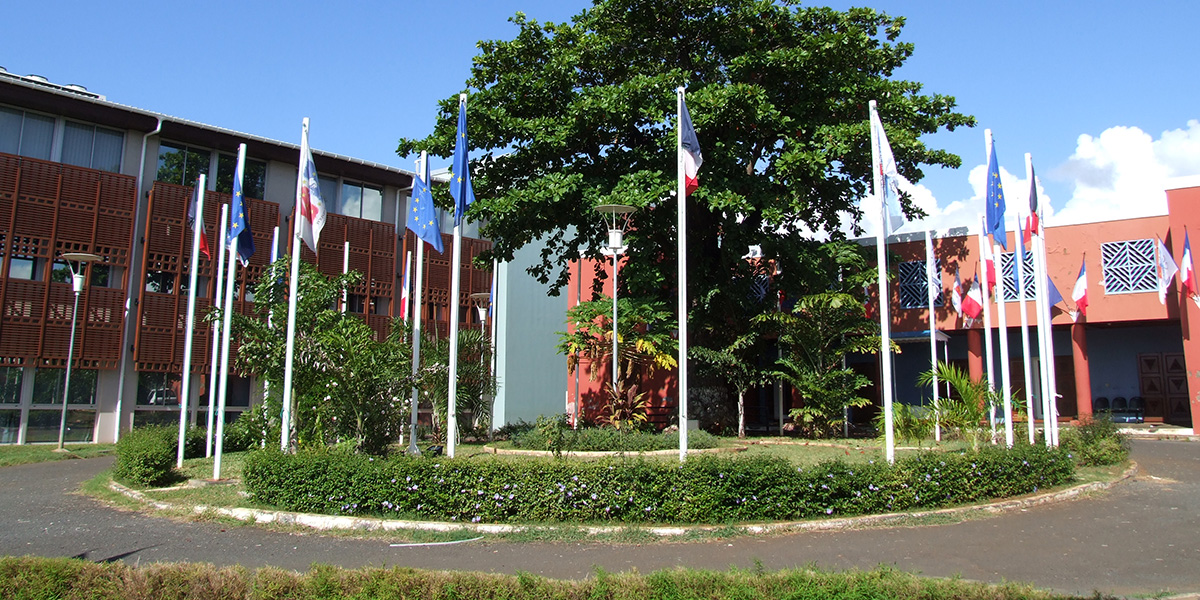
point(995, 201)
point(239, 226)
point(422, 218)
point(460, 184)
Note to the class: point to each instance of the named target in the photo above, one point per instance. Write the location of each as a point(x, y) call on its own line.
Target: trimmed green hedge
point(607, 439)
point(146, 455)
point(705, 489)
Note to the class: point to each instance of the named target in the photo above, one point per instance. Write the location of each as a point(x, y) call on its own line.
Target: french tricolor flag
point(1188, 274)
point(690, 146)
point(1079, 294)
point(972, 303)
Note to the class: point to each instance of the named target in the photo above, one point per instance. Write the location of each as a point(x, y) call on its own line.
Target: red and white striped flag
point(692, 159)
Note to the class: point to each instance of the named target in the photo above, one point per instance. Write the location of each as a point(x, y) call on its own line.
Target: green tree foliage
point(567, 116)
point(739, 363)
point(348, 386)
point(644, 339)
point(965, 412)
point(476, 383)
point(814, 339)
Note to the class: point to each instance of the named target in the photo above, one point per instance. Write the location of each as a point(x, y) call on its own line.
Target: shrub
point(705, 489)
point(146, 456)
point(1095, 442)
point(606, 439)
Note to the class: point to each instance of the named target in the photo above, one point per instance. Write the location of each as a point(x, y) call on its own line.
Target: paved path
point(1142, 537)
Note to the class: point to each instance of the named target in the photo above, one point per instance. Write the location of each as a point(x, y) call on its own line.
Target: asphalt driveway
point(1140, 538)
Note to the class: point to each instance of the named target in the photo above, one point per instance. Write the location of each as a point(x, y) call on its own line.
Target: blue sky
point(1103, 93)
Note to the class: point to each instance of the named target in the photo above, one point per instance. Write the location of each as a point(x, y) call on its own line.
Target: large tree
point(567, 116)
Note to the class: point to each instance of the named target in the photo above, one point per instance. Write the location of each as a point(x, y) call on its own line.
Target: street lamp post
point(75, 262)
point(616, 218)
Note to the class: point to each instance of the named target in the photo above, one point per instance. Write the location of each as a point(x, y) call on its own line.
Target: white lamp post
point(75, 262)
point(616, 218)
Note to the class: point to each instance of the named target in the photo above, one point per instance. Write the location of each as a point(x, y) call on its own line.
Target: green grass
point(11, 455)
point(33, 577)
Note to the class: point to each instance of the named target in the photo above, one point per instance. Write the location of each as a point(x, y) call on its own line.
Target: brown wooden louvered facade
point(435, 307)
point(47, 209)
point(162, 316)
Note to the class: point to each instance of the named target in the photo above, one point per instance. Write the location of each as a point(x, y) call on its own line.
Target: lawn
point(14, 454)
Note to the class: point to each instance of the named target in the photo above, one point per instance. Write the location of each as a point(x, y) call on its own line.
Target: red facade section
point(47, 209)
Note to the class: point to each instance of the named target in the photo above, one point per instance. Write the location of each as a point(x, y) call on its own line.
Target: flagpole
point(492, 313)
point(933, 362)
point(274, 257)
point(1052, 371)
point(186, 377)
point(285, 425)
point(985, 290)
point(345, 270)
point(885, 334)
point(681, 273)
point(231, 278)
point(452, 395)
point(418, 292)
point(218, 301)
point(1001, 317)
point(1025, 355)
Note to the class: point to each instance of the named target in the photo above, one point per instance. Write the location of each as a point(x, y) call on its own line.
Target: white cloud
point(1122, 172)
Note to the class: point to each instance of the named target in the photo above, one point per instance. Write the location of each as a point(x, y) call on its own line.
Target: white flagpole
point(186, 377)
point(214, 361)
point(987, 319)
point(492, 371)
point(274, 257)
point(1025, 354)
point(1002, 323)
point(345, 269)
point(681, 272)
point(407, 284)
point(932, 282)
point(226, 330)
point(417, 291)
point(285, 425)
point(885, 334)
point(452, 395)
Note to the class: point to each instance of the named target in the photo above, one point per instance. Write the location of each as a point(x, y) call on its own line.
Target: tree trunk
point(741, 414)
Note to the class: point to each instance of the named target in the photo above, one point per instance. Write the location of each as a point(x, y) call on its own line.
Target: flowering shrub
point(705, 489)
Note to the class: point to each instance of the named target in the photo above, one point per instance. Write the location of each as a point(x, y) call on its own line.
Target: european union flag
point(995, 201)
point(460, 185)
point(239, 225)
point(422, 218)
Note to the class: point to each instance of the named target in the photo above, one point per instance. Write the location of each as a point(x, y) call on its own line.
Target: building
point(80, 173)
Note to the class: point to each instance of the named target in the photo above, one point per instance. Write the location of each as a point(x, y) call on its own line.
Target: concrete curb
point(670, 452)
point(331, 522)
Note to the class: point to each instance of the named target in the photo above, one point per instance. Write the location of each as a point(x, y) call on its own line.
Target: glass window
point(48, 386)
point(10, 130)
point(160, 282)
point(102, 276)
point(1129, 267)
point(10, 385)
point(90, 146)
point(362, 201)
point(356, 303)
point(60, 272)
point(24, 267)
point(913, 285)
point(43, 425)
point(158, 389)
point(37, 133)
point(10, 426)
point(142, 418)
point(254, 180)
point(1012, 292)
point(237, 394)
point(329, 191)
point(180, 164)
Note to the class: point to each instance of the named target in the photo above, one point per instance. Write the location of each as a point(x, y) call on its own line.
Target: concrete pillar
point(1083, 377)
point(975, 354)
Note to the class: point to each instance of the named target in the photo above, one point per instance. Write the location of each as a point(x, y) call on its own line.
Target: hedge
point(146, 456)
point(705, 489)
point(607, 439)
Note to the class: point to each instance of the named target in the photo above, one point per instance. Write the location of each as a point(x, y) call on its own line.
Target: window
point(48, 386)
point(158, 389)
point(10, 385)
point(1128, 267)
point(356, 303)
point(26, 134)
point(1012, 293)
point(254, 180)
point(160, 282)
point(25, 267)
point(914, 290)
point(180, 164)
point(362, 201)
point(94, 147)
point(329, 190)
point(43, 425)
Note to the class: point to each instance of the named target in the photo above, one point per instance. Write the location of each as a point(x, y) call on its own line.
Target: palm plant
point(966, 410)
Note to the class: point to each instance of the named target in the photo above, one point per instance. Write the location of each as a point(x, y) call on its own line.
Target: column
point(1083, 377)
point(975, 354)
